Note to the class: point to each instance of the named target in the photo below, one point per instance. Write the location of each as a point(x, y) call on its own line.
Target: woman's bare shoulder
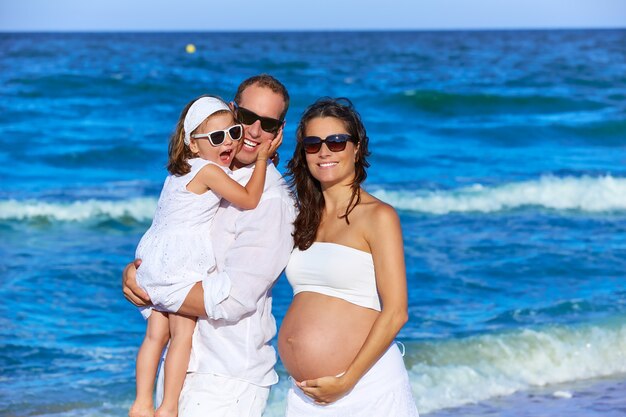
point(375, 207)
point(376, 213)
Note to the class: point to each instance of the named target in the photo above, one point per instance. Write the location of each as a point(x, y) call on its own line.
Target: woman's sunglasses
point(248, 117)
point(217, 137)
point(334, 143)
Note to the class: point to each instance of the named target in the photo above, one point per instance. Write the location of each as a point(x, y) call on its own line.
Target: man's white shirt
point(251, 248)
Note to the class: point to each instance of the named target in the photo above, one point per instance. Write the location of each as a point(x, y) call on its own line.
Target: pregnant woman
point(348, 275)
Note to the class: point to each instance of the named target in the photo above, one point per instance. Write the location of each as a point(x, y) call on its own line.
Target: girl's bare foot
point(141, 410)
point(166, 411)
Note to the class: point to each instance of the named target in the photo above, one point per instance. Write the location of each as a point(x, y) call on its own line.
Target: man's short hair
point(266, 81)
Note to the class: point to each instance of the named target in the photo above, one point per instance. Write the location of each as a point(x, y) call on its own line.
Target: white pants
point(209, 395)
point(383, 391)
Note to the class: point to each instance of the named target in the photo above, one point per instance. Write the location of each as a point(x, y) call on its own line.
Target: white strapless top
point(335, 270)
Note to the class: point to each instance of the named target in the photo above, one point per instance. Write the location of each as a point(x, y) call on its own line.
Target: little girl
point(176, 251)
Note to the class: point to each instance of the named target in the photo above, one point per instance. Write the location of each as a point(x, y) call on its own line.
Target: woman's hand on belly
point(327, 389)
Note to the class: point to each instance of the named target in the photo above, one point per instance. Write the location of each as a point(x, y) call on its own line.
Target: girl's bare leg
point(157, 335)
point(176, 363)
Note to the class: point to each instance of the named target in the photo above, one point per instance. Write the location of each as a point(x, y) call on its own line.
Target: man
point(232, 363)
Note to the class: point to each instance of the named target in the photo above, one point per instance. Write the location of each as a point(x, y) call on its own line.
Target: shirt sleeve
point(252, 264)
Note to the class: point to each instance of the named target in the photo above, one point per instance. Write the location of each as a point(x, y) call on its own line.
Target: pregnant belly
point(321, 335)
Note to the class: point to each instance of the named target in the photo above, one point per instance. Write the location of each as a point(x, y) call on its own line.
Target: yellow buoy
point(190, 48)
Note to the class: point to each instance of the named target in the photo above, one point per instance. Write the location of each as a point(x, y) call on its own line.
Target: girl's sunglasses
point(248, 117)
point(334, 143)
point(217, 137)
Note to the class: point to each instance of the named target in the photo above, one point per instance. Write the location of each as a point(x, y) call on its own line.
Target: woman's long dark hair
point(307, 189)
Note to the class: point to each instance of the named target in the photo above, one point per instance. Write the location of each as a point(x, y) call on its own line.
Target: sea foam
point(138, 209)
point(452, 373)
point(585, 194)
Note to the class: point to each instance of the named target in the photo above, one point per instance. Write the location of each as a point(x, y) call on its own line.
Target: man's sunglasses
point(217, 137)
point(335, 143)
point(248, 117)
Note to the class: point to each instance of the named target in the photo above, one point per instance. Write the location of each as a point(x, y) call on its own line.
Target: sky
point(250, 15)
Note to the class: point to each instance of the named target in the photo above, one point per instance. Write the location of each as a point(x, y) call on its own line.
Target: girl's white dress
point(176, 251)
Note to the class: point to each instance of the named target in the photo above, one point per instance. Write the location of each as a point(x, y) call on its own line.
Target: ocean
point(504, 153)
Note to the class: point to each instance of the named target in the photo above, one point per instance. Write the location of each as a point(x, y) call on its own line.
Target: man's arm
point(252, 264)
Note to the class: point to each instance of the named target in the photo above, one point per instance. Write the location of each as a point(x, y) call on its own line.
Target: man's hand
point(132, 291)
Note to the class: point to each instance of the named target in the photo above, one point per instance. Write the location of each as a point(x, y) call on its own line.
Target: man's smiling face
point(266, 103)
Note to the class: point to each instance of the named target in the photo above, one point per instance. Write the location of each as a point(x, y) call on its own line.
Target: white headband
point(199, 111)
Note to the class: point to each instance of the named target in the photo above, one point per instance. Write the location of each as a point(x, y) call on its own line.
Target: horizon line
point(469, 29)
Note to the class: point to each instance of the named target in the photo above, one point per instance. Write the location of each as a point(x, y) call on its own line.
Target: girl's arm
point(214, 178)
point(247, 197)
point(385, 240)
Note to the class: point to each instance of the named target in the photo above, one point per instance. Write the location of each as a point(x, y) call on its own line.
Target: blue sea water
point(503, 152)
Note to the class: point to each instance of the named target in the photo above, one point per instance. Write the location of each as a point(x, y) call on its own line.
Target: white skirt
point(383, 391)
